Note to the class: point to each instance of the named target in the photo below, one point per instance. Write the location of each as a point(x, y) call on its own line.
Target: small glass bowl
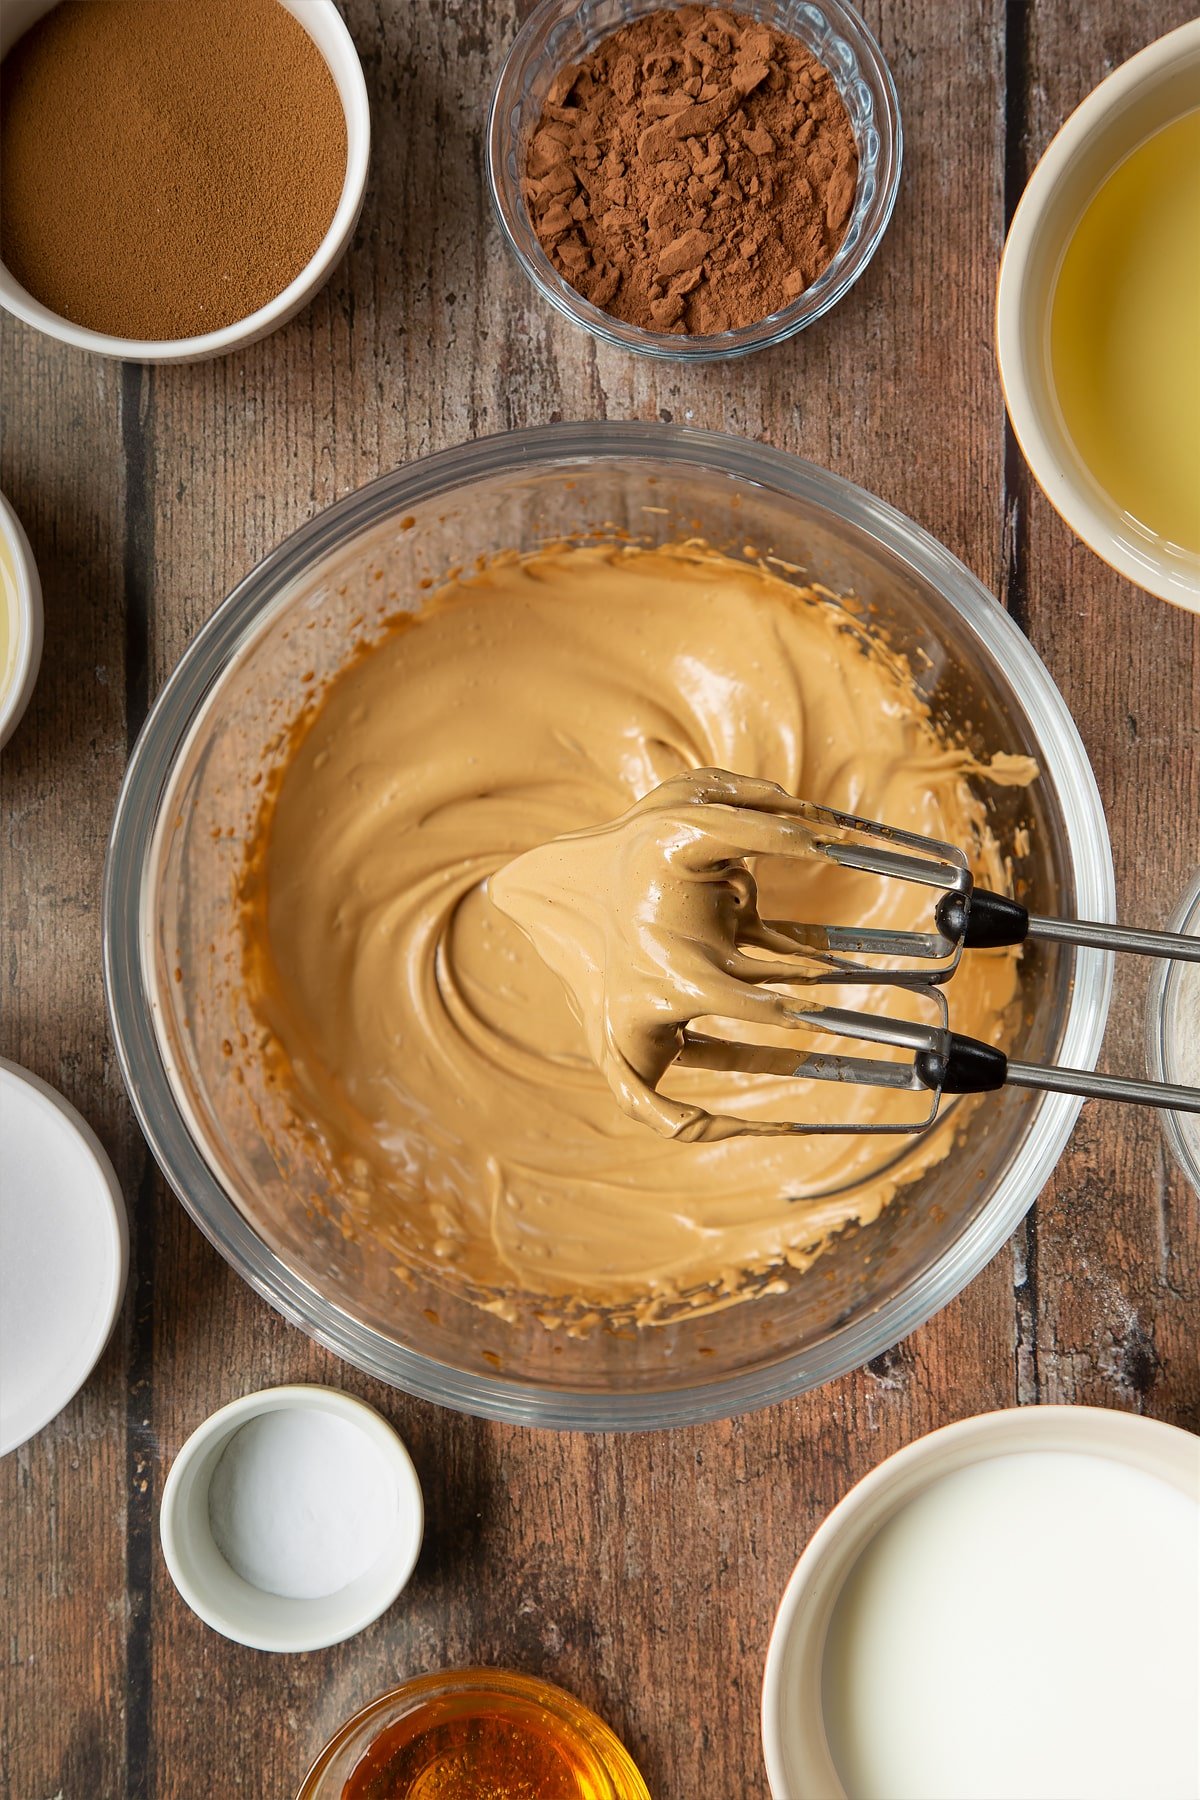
point(558, 32)
point(1174, 992)
point(603, 1768)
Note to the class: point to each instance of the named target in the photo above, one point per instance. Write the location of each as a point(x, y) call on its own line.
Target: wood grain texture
point(640, 1572)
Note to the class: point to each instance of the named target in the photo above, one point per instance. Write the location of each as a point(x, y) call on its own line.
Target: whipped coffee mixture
point(430, 1055)
point(651, 923)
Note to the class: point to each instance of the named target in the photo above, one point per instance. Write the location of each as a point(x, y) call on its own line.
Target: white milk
point(1026, 1629)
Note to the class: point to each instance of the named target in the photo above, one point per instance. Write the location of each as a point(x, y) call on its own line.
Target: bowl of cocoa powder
point(177, 177)
point(694, 182)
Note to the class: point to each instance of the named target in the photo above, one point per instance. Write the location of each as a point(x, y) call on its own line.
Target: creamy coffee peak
point(651, 924)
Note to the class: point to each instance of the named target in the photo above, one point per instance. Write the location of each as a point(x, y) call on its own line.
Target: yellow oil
point(8, 618)
point(1125, 335)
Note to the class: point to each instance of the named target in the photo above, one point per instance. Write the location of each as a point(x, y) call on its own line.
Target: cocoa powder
point(695, 173)
point(166, 166)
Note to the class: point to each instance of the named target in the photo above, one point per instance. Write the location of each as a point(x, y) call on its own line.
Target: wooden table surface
point(640, 1572)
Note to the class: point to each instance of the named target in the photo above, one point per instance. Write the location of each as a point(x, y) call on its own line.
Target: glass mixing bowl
point(1173, 1034)
point(171, 945)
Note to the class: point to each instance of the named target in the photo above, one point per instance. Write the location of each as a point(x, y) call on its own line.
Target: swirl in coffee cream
point(436, 1067)
point(651, 922)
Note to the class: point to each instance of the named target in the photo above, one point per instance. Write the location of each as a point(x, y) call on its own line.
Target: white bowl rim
point(564, 447)
point(352, 90)
point(112, 1275)
point(220, 1426)
point(1063, 488)
point(30, 622)
point(1094, 1430)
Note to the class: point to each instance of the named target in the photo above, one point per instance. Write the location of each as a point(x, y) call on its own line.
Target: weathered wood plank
point(63, 1496)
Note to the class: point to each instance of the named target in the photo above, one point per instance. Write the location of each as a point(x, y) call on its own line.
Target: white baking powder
point(301, 1503)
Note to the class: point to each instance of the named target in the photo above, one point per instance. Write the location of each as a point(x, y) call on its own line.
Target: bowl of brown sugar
point(690, 181)
point(177, 177)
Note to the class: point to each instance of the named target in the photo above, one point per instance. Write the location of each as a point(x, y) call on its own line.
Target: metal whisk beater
point(964, 917)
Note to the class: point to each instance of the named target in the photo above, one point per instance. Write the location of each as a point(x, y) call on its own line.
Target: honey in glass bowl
point(475, 1734)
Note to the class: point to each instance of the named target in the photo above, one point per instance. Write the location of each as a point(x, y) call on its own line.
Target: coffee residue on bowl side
point(695, 173)
point(166, 169)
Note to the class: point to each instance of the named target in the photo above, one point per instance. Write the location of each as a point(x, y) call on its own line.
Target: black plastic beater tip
point(982, 920)
point(963, 1066)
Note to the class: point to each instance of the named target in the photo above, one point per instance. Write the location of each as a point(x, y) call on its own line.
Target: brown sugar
point(166, 166)
point(695, 173)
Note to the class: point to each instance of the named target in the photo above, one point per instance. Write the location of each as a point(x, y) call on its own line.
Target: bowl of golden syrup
point(1098, 319)
point(474, 1734)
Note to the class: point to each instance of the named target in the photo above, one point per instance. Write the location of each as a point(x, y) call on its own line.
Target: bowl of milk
point(1009, 1607)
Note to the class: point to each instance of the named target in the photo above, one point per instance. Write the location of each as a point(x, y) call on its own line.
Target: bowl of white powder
point(291, 1518)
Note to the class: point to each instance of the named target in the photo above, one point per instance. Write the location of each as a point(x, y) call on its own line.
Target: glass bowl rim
point(482, 1679)
point(562, 448)
point(1185, 917)
point(777, 327)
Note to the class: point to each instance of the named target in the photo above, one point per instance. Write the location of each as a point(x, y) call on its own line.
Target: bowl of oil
point(474, 1731)
point(1098, 320)
point(20, 621)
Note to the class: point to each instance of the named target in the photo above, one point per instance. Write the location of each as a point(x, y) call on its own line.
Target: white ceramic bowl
point(1152, 89)
point(24, 621)
point(799, 1763)
point(323, 23)
point(64, 1253)
point(235, 1607)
